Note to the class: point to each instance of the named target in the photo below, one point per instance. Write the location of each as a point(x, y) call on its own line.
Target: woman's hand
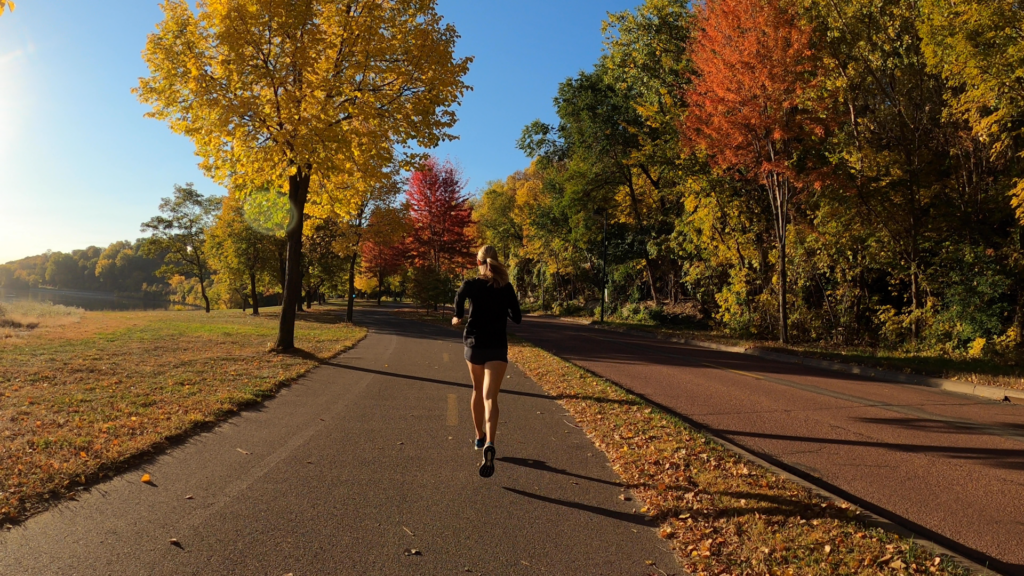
point(456, 321)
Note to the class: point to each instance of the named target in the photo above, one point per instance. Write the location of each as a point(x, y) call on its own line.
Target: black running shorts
point(481, 356)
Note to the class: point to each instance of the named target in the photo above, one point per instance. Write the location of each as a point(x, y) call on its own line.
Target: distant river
point(85, 300)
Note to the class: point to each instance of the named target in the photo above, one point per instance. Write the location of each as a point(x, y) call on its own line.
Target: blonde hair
point(496, 272)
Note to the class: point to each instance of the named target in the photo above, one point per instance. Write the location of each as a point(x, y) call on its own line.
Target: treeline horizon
point(410, 237)
point(118, 268)
point(845, 173)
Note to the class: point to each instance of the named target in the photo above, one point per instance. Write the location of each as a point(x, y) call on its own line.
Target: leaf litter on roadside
point(721, 513)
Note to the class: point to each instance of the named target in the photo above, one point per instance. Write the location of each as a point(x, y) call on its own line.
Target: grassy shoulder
point(81, 396)
point(721, 513)
point(1007, 373)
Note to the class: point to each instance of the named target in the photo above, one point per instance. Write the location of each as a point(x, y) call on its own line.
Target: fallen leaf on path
point(174, 542)
point(624, 498)
point(401, 442)
point(828, 549)
point(243, 451)
point(412, 552)
point(146, 479)
point(190, 497)
point(407, 530)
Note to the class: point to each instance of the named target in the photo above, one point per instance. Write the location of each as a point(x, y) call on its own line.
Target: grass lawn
point(85, 392)
point(719, 512)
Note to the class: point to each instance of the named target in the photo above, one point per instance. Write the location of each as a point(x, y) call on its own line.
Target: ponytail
point(496, 273)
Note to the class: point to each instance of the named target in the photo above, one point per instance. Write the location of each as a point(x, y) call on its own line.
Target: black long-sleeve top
point(489, 310)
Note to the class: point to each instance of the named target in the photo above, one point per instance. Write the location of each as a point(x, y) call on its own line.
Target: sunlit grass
point(16, 318)
point(77, 399)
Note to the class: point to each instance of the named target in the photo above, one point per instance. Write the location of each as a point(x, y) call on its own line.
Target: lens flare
point(269, 212)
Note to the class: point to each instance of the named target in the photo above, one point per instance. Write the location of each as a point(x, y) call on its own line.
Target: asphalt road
point(950, 465)
point(366, 457)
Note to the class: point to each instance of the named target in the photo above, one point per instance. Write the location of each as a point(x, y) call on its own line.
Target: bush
point(567, 308)
point(430, 288)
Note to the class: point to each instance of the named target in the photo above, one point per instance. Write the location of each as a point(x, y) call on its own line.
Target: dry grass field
point(83, 393)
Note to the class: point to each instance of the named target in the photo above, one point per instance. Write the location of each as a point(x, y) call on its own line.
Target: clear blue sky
point(80, 166)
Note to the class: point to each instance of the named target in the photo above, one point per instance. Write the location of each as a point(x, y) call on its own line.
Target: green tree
point(978, 48)
point(62, 271)
point(180, 234)
point(243, 256)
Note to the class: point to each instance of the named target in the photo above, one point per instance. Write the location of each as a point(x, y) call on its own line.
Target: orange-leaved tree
point(384, 250)
point(753, 107)
point(279, 93)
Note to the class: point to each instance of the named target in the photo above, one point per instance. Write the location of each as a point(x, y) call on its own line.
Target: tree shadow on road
point(637, 519)
point(994, 457)
point(1005, 429)
point(470, 387)
point(545, 467)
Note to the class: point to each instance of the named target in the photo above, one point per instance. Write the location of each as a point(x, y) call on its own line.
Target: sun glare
point(12, 98)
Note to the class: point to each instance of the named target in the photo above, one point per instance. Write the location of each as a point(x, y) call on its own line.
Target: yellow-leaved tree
point(275, 91)
point(6, 5)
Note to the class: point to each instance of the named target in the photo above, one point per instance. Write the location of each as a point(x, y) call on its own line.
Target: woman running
point(492, 301)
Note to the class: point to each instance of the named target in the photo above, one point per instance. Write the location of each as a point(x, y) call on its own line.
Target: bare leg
point(476, 405)
point(494, 373)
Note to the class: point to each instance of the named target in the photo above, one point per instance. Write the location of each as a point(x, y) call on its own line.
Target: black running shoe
point(487, 468)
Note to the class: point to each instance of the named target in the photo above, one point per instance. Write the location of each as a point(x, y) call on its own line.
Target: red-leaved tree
point(384, 249)
point(439, 217)
point(439, 240)
point(752, 105)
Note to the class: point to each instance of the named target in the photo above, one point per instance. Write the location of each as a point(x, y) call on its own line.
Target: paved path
point(948, 463)
point(365, 457)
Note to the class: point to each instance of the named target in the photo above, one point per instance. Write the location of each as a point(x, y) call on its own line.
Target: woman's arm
point(513, 308)
point(460, 301)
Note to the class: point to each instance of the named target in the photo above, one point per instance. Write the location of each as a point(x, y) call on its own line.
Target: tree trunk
point(915, 290)
point(650, 278)
point(298, 189)
point(351, 289)
point(282, 261)
point(380, 286)
point(255, 296)
point(783, 312)
point(202, 290)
